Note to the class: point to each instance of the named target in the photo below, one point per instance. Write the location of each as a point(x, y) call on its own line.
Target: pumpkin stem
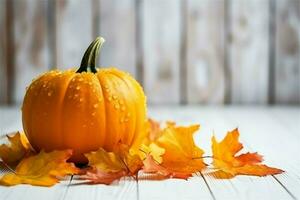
point(90, 56)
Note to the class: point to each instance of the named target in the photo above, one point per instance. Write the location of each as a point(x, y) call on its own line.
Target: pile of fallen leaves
point(168, 152)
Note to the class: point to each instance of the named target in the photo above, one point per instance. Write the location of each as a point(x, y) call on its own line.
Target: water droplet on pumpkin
point(44, 85)
point(96, 105)
point(77, 88)
point(81, 99)
point(106, 86)
point(109, 98)
point(115, 97)
point(92, 123)
point(117, 106)
point(80, 79)
point(84, 125)
point(123, 108)
point(90, 83)
point(76, 95)
point(121, 102)
point(49, 94)
point(126, 119)
point(128, 114)
point(93, 90)
point(93, 114)
point(121, 120)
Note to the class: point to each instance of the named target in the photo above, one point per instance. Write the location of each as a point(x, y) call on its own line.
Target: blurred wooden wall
point(181, 51)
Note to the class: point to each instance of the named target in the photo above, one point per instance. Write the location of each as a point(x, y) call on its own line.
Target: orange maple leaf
point(229, 165)
point(181, 154)
point(43, 169)
point(18, 148)
point(152, 166)
point(154, 129)
point(109, 166)
point(100, 177)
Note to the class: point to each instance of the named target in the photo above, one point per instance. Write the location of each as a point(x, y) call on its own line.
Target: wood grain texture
point(287, 141)
point(173, 189)
point(74, 31)
point(248, 50)
point(117, 26)
point(287, 65)
point(3, 54)
point(33, 193)
point(125, 189)
point(161, 41)
point(30, 43)
point(205, 51)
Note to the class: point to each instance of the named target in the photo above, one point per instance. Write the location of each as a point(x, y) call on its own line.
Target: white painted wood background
point(271, 131)
point(182, 51)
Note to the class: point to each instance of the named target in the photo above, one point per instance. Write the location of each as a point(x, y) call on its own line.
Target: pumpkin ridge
point(61, 110)
point(104, 107)
point(119, 73)
point(114, 73)
point(33, 101)
point(102, 76)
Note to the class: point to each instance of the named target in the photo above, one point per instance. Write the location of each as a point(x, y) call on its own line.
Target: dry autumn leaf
point(229, 165)
point(110, 166)
point(152, 166)
point(181, 154)
point(18, 148)
point(101, 177)
point(43, 169)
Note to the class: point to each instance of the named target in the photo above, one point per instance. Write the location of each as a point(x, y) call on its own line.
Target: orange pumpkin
point(85, 109)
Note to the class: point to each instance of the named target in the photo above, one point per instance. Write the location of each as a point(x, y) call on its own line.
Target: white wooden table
point(272, 131)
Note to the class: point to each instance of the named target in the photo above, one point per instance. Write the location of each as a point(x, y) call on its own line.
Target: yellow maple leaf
point(109, 166)
point(228, 164)
point(152, 149)
point(18, 148)
point(181, 154)
point(43, 169)
point(105, 161)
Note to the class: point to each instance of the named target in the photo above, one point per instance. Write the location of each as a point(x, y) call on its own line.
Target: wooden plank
point(161, 41)
point(124, 189)
point(3, 54)
point(240, 187)
point(117, 26)
point(289, 117)
point(287, 69)
point(31, 48)
point(269, 138)
point(33, 193)
point(74, 31)
point(215, 120)
point(249, 50)
point(193, 188)
point(205, 51)
point(11, 122)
